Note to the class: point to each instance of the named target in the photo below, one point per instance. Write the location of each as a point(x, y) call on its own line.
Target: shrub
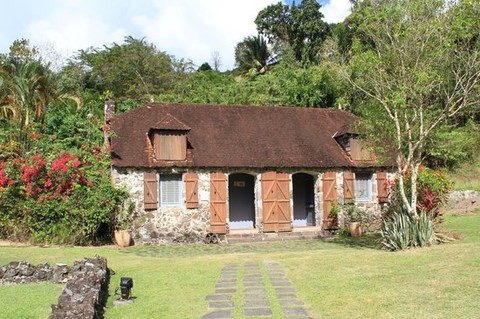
point(401, 231)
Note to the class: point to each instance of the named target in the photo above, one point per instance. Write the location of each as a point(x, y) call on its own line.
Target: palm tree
point(26, 89)
point(252, 54)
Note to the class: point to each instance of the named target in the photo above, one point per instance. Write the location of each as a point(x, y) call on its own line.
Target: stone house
point(194, 170)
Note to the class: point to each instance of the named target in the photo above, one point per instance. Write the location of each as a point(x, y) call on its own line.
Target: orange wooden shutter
point(348, 187)
point(329, 192)
point(276, 202)
point(191, 190)
point(218, 203)
point(382, 187)
point(150, 191)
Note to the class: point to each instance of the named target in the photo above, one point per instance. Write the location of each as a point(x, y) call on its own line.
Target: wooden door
point(218, 203)
point(276, 202)
point(329, 197)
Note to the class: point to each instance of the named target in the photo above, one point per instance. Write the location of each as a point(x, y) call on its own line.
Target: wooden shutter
point(276, 202)
point(218, 203)
point(170, 146)
point(191, 190)
point(348, 187)
point(382, 187)
point(150, 191)
point(329, 192)
point(358, 152)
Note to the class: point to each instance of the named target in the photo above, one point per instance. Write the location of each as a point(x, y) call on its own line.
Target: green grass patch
point(345, 278)
point(466, 177)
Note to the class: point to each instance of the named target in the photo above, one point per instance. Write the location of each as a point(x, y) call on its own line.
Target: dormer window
point(169, 139)
point(169, 145)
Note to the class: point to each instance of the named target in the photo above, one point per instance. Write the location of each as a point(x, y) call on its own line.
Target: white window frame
point(177, 181)
point(360, 180)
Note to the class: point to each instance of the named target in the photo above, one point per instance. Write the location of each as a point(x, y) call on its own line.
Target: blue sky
point(190, 29)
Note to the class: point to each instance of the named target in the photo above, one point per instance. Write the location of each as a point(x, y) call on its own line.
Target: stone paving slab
point(225, 290)
point(281, 284)
point(290, 302)
point(253, 284)
point(285, 289)
point(256, 303)
point(219, 314)
point(258, 312)
point(295, 311)
point(255, 297)
point(255, 290)
point(226, 285)
point(221, 304)
point(252, 278)
point(218, 297)
point(287, 296)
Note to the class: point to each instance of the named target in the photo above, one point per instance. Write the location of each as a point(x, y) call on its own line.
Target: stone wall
point(166, 224)
point(23, 273)
point(179, 224)
point(85, 293)
point(86, 289)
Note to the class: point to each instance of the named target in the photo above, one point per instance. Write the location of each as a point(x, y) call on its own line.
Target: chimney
point(109, 114)
point(109, 110)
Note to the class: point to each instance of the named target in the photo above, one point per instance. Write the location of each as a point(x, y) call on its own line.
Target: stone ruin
point(86, 288)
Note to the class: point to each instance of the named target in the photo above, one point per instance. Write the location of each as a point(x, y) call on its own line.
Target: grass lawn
point(340, 279)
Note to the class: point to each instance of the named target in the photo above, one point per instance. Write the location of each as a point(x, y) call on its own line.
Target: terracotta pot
point(355, 229)
point(123, 238)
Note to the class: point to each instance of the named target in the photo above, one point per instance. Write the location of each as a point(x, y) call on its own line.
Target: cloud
point(73, 27)
point(195, 29)
point(336, 10)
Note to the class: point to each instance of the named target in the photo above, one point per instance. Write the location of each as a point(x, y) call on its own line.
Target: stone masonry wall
point(166, 224)
point(179, 224)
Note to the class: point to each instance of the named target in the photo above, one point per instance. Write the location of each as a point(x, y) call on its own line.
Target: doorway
point(303, 200)
point(241, 195)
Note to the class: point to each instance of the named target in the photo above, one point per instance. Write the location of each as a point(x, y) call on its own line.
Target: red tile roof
point(236, 136)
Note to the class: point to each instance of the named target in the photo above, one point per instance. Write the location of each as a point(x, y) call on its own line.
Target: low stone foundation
point(86, 291)
point(23, 273)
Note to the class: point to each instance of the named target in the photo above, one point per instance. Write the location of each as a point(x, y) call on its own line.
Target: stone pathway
point(248, 285)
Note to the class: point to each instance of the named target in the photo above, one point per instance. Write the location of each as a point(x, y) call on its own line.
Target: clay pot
point(123, 238)
point(355, 229)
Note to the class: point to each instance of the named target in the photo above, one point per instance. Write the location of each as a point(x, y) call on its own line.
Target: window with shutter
point(171, 190)
point(191, 190)
point(363, 187)
point(170, 146)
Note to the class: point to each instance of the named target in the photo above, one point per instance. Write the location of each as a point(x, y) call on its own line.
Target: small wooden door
point(276, 202)
point(329, 197)
point(218, 203)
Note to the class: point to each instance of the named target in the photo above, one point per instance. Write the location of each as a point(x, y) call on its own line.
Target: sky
point(188, 29)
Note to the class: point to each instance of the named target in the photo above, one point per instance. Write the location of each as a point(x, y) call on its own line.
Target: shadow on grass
point(367, 241)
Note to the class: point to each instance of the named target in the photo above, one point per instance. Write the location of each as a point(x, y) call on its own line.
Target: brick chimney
point(109, 110)
point(109, 114)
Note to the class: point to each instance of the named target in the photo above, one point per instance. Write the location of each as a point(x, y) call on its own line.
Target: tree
point(414, 74)
point(216, 60)
point(298, 28)
point(134, 69)
point(252, 53)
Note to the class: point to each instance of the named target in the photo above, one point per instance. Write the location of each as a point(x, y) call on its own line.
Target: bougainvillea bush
point(57, 198)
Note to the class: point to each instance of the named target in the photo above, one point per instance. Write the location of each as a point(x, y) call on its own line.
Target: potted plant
point(123, 220)
point(355, 218)
point(331, 222)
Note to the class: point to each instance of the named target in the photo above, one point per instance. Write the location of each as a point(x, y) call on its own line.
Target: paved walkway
point(248, 285)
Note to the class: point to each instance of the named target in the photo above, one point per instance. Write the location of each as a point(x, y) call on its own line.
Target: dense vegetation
point(410, 69)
